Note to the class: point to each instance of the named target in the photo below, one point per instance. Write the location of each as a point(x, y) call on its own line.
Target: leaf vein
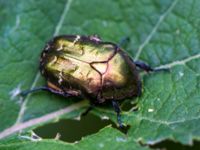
point(170, 122)
point(20, 126)
point(57, 29)
point(179, 62)
point(149, 37)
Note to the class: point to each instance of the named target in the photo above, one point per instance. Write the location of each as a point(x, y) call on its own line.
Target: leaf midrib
point(57, 29)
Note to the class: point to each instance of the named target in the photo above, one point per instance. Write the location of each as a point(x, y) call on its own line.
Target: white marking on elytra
point(60, 78)
point(15, 91)
point(76, 39)
point(47, 47)
point(53, 61)
point(43, 54)
point(60, 48)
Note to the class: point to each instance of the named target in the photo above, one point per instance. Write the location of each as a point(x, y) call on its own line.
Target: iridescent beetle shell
point(87, 67)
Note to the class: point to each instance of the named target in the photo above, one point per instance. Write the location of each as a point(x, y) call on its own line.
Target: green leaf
point(97, 141)
point(165, 34)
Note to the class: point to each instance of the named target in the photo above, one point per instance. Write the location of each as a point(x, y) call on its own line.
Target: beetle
point(86, 66)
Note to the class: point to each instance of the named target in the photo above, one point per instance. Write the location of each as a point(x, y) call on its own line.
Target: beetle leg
point(45, 88)
point(88, 110)
point(117, 110)
point(148, 68)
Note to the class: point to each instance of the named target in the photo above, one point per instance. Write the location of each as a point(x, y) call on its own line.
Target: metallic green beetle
point(86, 66)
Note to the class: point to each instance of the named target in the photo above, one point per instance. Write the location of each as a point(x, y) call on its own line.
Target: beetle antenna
point(148, 68)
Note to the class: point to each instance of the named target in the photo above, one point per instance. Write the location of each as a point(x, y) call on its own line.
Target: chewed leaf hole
point(74, 130)
point(168, 144)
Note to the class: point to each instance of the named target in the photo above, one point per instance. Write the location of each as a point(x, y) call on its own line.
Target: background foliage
point(164, 33)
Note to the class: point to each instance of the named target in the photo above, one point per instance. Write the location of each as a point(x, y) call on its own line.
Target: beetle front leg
point(117, 110)
point(45, 88)
point(148, 68)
